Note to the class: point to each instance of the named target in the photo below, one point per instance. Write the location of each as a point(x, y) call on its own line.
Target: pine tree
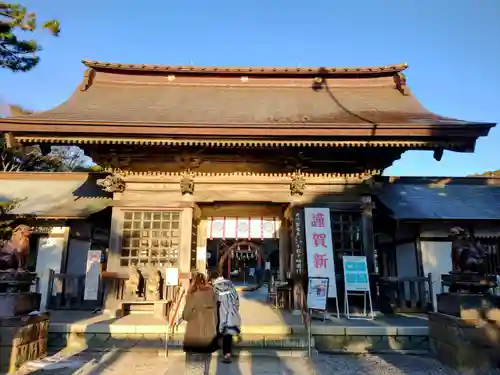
point(17, 54)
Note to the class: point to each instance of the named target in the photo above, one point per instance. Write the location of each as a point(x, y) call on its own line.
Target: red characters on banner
point(320, 260)
point(319, 239)
point(318, 220)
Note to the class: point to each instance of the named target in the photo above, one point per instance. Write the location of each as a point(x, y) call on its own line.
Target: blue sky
point(451, 46)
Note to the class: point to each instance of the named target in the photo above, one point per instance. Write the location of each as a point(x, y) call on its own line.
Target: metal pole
point(309, 333)
point(166, 341)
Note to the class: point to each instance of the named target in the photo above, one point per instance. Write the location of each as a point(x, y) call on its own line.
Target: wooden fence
point(405, 294)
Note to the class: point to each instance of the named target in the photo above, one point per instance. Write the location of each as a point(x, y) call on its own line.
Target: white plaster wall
point(406, 258)
point(406, 253)
point(50, 255)
point(406, 262)
point(77, 256)
point(436, 259)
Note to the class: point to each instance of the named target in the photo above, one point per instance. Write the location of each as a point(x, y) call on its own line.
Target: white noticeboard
point(92, 275)
point(357, 282)
point(317, 293)
point(172, 276)
point(319, 247)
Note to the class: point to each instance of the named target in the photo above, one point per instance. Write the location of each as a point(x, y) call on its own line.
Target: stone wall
point(372, 343)
point(465, 344)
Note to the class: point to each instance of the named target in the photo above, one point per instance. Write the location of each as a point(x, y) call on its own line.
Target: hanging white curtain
point(242, 228)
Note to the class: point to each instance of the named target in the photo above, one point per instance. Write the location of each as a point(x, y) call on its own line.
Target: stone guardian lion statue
point(14, 252)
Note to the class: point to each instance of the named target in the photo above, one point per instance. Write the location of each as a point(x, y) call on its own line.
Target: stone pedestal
point(23, 330)
point(15, 304)
point(466, 305)
point(465, 332)
point(22, 339)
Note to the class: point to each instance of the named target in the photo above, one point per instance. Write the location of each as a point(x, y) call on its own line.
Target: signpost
point(317, 295)
point(320, 261)
point(357, 283)
point(172, 276)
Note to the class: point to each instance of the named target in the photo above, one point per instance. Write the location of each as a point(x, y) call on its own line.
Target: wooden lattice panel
point(150, 238)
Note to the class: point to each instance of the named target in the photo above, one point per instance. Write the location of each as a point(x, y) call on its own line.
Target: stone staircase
point(251, 344)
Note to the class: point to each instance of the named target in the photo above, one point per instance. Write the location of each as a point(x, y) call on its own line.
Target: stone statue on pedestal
point(463, 333)
point(467, 256)
point(469, 265)
point(132, 284)
point(154, 286)
point(23, 328)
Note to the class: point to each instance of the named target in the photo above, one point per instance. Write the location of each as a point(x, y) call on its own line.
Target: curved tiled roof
point(313, 104)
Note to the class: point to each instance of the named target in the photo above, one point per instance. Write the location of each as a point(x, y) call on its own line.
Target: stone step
point(250, 352)
point(151, 342)
point(262, 341)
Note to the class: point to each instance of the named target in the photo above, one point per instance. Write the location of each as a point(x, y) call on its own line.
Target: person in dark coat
point(200, 313)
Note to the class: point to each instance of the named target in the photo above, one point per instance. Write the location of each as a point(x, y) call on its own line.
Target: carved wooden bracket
point(297, 162)
point(367, 207)
point(298, 185)
point(400, 80)
point(189, 161)
point(88, 79)
point(112, 184)
point(10, 141)
point(187, 184)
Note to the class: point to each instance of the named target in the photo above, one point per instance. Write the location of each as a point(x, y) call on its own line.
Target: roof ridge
point(250, 70)
point(437, 180)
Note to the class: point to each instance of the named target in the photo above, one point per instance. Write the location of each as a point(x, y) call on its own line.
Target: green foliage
point(90, 168)
point(17, 54)
point(50, 159)
point(488, 174)
point(7, 222)
point(27, 158)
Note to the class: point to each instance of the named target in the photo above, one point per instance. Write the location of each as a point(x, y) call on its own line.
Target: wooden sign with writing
point(298, 241)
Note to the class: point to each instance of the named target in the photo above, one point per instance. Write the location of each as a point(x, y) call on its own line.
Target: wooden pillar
point(299, 267)
point(110, 301)
point(367, 232)
point(284, 248)
point(368, 243)
point(201, 246)
point(185, 247)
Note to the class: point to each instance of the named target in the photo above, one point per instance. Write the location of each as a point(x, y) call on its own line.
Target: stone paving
point(119, 363)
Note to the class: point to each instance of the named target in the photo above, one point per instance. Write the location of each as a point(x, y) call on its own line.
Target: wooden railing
point(65, 292)
point(405, 294)
point(175, 314)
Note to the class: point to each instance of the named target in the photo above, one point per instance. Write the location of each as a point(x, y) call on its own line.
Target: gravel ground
point(118, 363)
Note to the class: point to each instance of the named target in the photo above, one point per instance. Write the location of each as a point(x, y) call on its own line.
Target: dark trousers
point(227, 344)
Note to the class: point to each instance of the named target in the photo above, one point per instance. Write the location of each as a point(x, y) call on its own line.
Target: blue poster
point(356, 273)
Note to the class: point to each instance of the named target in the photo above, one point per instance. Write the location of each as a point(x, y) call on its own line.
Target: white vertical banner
point(319, 246)
point(92, 275)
